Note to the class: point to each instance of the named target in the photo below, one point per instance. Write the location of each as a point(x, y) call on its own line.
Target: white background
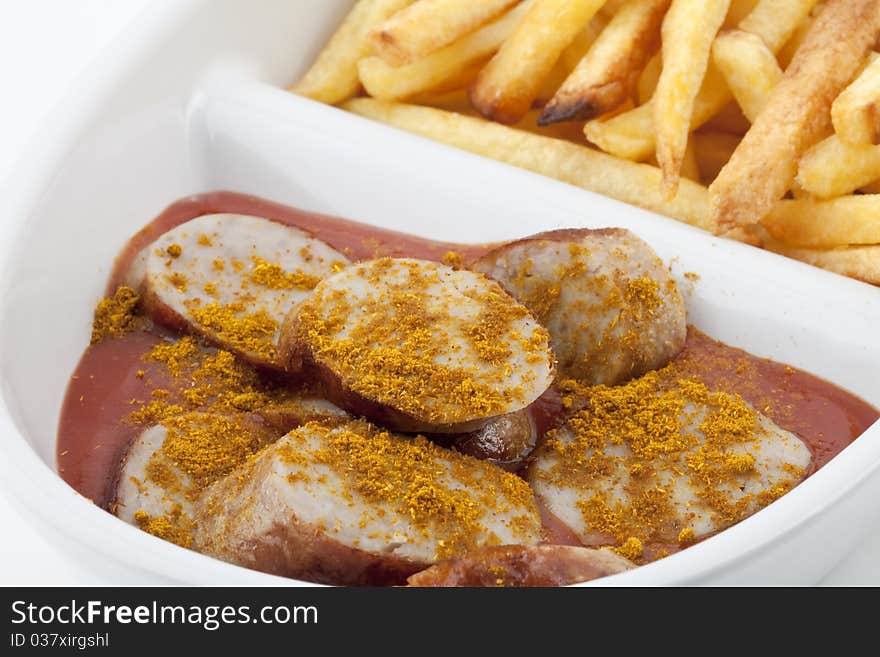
point(44, 45)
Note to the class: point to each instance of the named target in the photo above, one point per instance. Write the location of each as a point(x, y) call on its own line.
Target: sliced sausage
point(166, 467)
point(418, 346)
point(519, 565)
point(294, 411)
point(353, 504)
point(233, 278)
point(663, 462)
point(505, 440)
point(149, 482)
point(612, 308)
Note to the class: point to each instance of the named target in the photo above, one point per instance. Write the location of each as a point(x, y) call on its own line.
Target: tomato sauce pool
point(112, 376)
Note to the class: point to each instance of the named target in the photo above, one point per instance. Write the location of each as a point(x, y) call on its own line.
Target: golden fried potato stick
point(451, 101)
point(460, 81)
point(505, 89)
point(844, 221)
point(648, 79)
point(689, 29)
point(552, 81)
point(859, 262)
point(855, 113)
point(631, 135)
point(799, 192)
point(611, 7)
point(776, 21)
point(834, 167)
point(638, 184)
point(583, 167)
point(571, 132)
point(713, 150)
point(563, 67)
point(333, 76)
point(605, 76)
point(428, 25)
point(749, 68)
point(797, 113)
point(397, 83)
point(739, 9)
point(728, 119)
point(872, 187)
point(786, 53)
point(690, 168)
point(582, 43)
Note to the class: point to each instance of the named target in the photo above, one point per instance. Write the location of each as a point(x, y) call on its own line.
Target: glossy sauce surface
point(113, 378)
point(356, 240)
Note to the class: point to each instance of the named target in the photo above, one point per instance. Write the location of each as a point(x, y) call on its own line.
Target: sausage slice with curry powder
point(354, 504)
point(233, 278)
point(506, 440)
point(418, 346)
point(167, 466)
point(661, 461)
point(523, 565)
point(611, 306)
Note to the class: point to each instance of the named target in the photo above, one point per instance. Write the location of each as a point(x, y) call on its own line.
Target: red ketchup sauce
point(112, 377)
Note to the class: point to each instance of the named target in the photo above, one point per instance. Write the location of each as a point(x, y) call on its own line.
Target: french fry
point(834, 167)
point(628, 136)
point(729, 119)
point(625, 106)
point(713, 150)
point(638, 184)
point(631, 135)
point(428, 25)
point(739, 9)
point(571, 132)
point(505, 89)
point(844, 221)
point(690, 169)
point(567, 62)
point(389, 83)
point(461, 80)
point(855, 113)
point(749, 68)
point(575, 51)
point(569, 59)
point(776, 21)
point(872, 187)
point(748, 235)
point(859, 262)
point(648, 79)
point(551, 83)
point(786, 54)
point(611, 7)
point(605, 76)
point(451, 101)
point(334, 75)
point(797, 191)
point(688, 30)
point(797, 113)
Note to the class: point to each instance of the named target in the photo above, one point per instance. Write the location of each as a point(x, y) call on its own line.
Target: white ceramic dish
point(189, 101)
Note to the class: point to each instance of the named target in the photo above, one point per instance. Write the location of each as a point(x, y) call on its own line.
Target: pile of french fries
point(758, 120)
